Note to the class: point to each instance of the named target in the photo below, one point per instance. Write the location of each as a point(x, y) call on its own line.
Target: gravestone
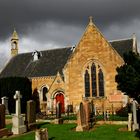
point(18, 126)
point(69, 109)
point(41, 134)
point(5, 102)
point(129, 121)
point(135, 125)
point(58, 110)
point(92, 113)
point(31, 115)
point(3, 130)
point(81, 119)
point(58, 119)
point(87, 108)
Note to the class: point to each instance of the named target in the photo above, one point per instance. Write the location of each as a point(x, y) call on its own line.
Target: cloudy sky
point(45, 24)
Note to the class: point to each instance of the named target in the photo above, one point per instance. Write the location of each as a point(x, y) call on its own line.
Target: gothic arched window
point(94, 80)
point(87, 84)
point(101, 83)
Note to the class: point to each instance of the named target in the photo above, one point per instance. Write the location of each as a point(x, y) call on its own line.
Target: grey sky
point(44, 24)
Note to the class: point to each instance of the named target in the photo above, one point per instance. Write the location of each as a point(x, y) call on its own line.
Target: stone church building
point(72, 74)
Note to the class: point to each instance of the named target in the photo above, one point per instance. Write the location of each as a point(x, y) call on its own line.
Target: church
point(72, 74)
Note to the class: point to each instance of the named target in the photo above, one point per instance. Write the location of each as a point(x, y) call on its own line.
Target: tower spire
point(90, 20)
point(14, 43)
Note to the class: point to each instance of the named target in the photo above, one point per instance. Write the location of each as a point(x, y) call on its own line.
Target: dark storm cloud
point(26, 14)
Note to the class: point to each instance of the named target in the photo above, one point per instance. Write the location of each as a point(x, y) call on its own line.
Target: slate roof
point(122, 46)
point(51, 61)
point(49, 64)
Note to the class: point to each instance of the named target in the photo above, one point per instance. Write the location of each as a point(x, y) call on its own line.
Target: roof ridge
point(46, 50)
point(115, 40)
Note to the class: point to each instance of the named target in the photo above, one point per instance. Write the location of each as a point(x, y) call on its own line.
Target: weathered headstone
point(135, 125)
point(3, 130)
point(92, 113)
point(58, 110)
point(5, 102)
point(18, 119)
point(129, 121)
point(58, 119)
point(81, 119)
point(31, 115)
point(87, 109)
point(41, 134)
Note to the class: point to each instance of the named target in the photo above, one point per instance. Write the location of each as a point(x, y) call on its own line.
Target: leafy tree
point(128, 77)
point(9, 85)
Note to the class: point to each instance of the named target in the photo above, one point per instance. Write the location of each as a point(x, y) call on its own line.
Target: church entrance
point(60, 98)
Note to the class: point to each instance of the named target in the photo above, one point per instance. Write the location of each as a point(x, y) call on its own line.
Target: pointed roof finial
point(15, 35)
point(90, 20)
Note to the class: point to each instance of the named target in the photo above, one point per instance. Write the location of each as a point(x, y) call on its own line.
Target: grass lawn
point(66, 132)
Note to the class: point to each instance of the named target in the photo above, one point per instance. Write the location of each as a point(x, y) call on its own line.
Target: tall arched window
point(94, 80)
point(101, 83)
point(87, 84)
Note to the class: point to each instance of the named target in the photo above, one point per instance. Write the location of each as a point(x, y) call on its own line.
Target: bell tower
point(14, 43)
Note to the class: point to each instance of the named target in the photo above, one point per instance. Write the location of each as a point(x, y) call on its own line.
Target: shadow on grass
point(41, 124)
point(138, 134)
point(51, 138)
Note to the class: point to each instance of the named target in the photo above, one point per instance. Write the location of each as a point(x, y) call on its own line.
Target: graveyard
point(86, 124)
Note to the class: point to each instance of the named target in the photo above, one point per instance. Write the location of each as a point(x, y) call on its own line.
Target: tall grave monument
point(135, 125)
point(18, 119)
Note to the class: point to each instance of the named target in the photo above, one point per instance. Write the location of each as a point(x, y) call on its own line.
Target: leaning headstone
point(3, 130)
point(135, 125)
point(81, 119)
point(58, 119)
point(129, 121)
point(41, 134)
point(18, 126)
point(31, 115)
point(5, 102)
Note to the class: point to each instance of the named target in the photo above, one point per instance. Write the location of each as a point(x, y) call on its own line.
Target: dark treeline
point(9, 85)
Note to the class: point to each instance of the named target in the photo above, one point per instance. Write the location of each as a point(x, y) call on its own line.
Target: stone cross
point(18, 126)
point(5, 102)
point(134, 108)
point(17, 97)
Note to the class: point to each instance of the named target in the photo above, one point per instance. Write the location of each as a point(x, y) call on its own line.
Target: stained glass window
point(101, 83)
point(93, 79)
point(87, 84)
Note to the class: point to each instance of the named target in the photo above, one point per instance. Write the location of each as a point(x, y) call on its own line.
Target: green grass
point(112, 118)
point(8, 117)
point(66, 132)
